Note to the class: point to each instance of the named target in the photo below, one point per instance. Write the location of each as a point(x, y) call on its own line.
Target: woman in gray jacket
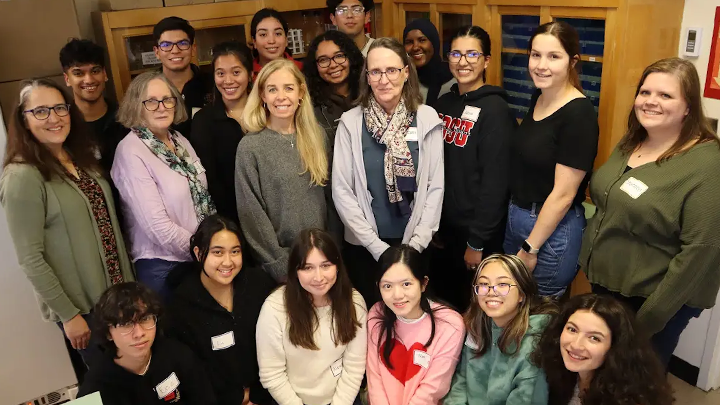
point(388, 172)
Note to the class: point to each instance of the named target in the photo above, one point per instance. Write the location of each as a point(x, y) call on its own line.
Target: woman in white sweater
point(311, 337)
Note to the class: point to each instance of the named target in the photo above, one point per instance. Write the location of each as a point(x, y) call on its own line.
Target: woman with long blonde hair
point(280, 166)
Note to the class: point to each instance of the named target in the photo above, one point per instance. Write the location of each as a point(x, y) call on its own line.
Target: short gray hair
point(130, 113)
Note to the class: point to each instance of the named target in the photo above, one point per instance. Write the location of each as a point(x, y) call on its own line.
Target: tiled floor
point(686, 394)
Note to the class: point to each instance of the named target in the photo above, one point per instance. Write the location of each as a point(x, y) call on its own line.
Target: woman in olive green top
point(654, 241)
point(60, 210)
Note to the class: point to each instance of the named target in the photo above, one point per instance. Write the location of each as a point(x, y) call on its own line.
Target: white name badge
point(470, 342)
point(194, 110)
point(199, 167)
point(471, 113)
point(421, 358)
point(168, 385)
point(223, 341)
point(634, 187)
point(412, 134)
point(336, 368)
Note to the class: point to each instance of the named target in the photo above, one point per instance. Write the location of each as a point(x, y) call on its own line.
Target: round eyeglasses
point(392, 73)
point(43, 113)
point(147, 323)
point(501, 289)
point(152, 104)
point(167, 46)
point(470, 57)
point(340, 58)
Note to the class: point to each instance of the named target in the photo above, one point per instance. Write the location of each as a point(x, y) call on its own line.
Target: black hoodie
point(477, 127)
point(198, 320)
point(174, 376)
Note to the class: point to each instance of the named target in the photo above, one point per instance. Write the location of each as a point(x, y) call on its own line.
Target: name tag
point(194, 110)
point(199, 167)
point(470, 342)
point(421, 359)
point(634, 187)
point(412, 134)
point(471, 113)
point(336, 368)
point(223, 341)
point(168, 386)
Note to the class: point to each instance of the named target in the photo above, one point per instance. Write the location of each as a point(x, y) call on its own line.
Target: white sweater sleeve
point(353, 367)
point(269, 337)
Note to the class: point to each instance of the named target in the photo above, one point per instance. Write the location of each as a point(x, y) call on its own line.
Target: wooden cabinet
point(619, 38)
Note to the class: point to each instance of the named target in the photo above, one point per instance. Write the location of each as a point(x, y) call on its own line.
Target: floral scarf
point(391, 131)
point(181, 163)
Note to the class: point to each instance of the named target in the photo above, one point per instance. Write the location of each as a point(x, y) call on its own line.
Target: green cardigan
point(660, 238)
point(57, 240)
point(496, 378)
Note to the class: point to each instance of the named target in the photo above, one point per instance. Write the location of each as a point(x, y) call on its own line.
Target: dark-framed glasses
point(148, 322)
point(152, 104)
point(392, 73)
point(167, 46)
point(470, 57)
point(501, 289)
point(43, 113)
point(340, 58)
point(345, 10)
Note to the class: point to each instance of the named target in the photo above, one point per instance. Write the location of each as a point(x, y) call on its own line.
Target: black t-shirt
point(108, 134)
point(196, 93)
point(568, 137)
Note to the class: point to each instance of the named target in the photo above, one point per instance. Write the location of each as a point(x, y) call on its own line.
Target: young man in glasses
point(83, 64)
point(174, 46)
point(138, 365)
point(351, 16)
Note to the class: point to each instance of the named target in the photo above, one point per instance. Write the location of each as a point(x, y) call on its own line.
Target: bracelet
point(475, 249)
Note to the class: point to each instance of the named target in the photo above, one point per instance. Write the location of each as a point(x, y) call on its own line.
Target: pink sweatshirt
point(420, 375)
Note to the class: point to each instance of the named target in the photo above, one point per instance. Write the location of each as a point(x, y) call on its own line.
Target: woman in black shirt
point(214, 312)
point(216, 129)
point(552, 158)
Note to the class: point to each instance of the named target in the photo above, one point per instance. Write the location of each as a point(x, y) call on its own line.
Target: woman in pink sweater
point(414, 344)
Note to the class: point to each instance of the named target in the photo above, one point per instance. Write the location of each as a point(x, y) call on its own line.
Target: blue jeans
point(154, 273)
point(557, 262)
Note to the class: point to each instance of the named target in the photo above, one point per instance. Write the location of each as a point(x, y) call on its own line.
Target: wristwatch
point(527, 247)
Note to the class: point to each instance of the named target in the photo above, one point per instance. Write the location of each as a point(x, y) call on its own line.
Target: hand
point(529, 260)
point(473, 258)
point(77, 332)
point(246, 397)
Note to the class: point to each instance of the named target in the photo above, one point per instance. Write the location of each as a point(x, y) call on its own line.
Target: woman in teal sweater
point(503, 327)
point(60, 210)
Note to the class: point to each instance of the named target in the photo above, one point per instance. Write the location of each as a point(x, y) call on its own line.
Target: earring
point(264, 105)
point(300, 101)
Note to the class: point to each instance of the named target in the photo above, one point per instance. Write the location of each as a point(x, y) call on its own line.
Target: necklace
point(289, 139)
point(147, 366)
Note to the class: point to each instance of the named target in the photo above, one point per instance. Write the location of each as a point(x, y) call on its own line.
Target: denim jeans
point(154, 273)
point(557, 262)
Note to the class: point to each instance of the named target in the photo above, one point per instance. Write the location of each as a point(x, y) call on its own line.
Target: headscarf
point(435, 73)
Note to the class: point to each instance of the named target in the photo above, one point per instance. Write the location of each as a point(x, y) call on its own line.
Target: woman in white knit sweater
point(311, 337)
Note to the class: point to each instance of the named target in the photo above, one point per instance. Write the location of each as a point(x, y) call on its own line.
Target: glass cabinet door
point(140, 54)
point(209, 37)
point(516, 33)
point(449, 24)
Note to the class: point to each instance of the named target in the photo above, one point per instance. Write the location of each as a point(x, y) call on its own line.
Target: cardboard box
point(33, 32)
point(170, 3)
point(116, 5)
point(10, 91)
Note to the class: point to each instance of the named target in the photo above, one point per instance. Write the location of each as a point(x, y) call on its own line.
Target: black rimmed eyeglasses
point(501, 289)
point(43, 113)
point(152, 104)
point(167, 46)
point(470, 57)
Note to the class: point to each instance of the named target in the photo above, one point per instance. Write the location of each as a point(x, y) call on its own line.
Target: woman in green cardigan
point(654, 242)
point(60, 210)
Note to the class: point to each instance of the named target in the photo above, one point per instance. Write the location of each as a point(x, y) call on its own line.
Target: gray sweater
point(275, 202)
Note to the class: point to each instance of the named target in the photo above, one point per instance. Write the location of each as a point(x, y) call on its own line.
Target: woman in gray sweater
point(281, 167)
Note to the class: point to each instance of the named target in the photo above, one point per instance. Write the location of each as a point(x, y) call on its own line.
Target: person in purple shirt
point(162, 184)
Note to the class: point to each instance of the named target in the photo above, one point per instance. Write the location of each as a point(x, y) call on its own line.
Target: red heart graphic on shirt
point(403, 367)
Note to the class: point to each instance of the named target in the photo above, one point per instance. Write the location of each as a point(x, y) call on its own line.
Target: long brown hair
point(479, 325)
point(570, 41)
point(299, 303)
point(23, 147)
point(695, 124)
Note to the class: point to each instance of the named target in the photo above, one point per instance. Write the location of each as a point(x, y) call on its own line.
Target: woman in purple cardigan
point(162, 184)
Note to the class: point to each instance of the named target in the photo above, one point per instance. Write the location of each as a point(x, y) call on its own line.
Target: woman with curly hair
point(603, 358)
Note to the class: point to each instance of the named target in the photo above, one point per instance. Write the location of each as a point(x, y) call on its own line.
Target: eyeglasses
point(345, 10)
point(43, 113)
point(147, 323)
point(470, 57)
point(501, 289)
point(392, 73)
point(167, 46)
point(325, 62)
point(153, 105)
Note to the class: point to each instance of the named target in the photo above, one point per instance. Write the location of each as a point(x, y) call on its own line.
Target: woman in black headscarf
point(422, 44)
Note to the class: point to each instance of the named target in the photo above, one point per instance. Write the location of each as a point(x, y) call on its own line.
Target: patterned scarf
point(391, 131)
point(182, 164)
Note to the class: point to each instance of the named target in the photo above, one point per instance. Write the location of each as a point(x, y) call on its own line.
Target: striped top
point(656, 232)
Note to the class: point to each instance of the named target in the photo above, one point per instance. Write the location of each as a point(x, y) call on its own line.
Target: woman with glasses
point(269, 32)
point(388, 173)
point(503, 325)
point(477, 124)
point(161, 181)
point(60, 211)
point(334, 83)
point(138, 365)
point(422, 43)
point(414, 343)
